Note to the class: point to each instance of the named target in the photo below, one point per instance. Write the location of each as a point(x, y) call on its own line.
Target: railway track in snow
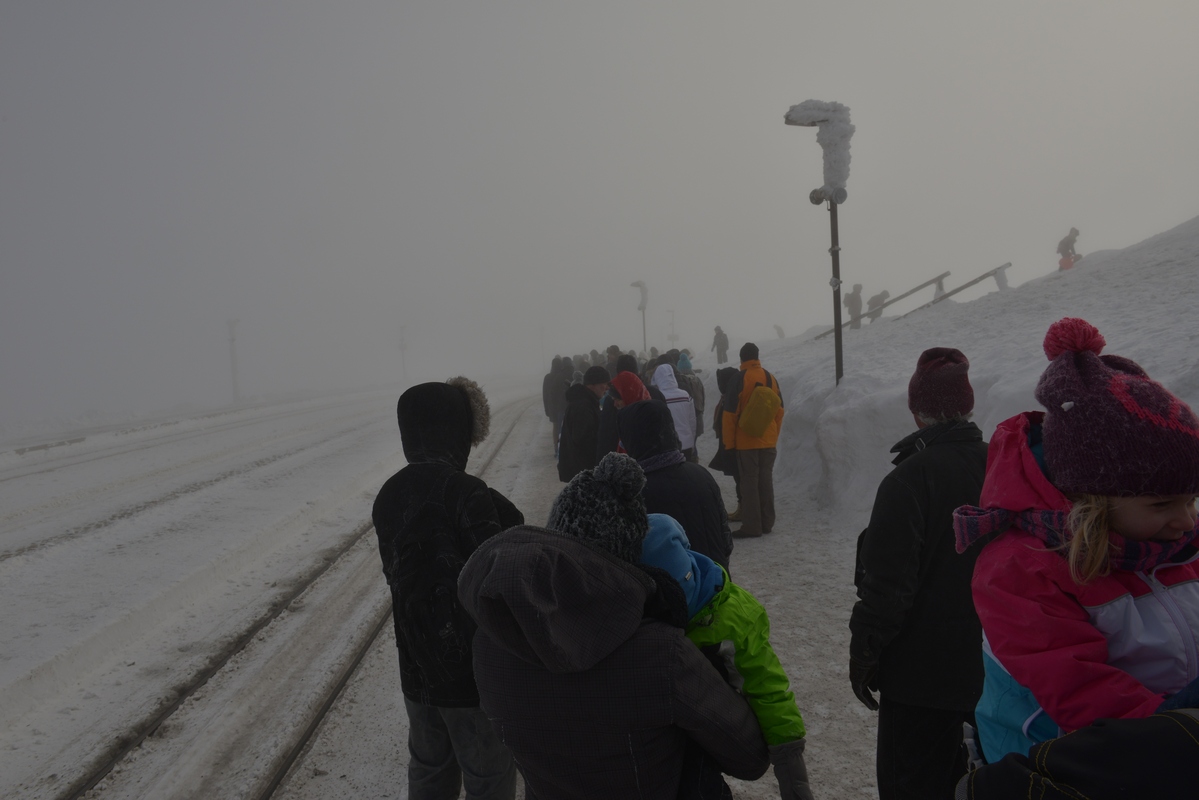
point(236, 727)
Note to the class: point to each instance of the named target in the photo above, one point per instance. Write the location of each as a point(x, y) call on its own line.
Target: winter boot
point(735, 516)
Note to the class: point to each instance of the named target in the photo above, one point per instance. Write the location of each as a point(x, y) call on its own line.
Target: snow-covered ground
point(126, 559)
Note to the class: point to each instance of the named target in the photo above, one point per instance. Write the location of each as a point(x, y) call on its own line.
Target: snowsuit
point(682, 407)
point(915, 618)
point(684, 490)
point(1059, 655)
point(755, 454)
point(429, 517)
point(580, 432)
point(584, 670)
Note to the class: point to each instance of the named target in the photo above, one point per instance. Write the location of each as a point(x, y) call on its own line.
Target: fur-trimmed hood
point(440, 422)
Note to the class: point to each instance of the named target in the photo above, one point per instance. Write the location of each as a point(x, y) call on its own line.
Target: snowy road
point(137, 561)
point(235, 550)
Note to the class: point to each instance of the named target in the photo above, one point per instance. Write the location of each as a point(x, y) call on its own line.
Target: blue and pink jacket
point(1059, 655)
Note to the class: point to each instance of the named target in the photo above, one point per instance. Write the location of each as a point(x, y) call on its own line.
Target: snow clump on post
point(833, 133)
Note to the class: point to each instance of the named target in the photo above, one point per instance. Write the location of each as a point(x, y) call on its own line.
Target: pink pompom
point(1072, 335)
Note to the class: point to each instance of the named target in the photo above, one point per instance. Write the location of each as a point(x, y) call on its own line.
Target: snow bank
point(835, 441)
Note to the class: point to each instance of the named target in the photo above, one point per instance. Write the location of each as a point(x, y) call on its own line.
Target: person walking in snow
point(581, 659)
point(682, 407)
point(720, 343)
point(853, 304)
point(914, 634)
point(1086, 581)
point(874, 306)
point(1065, 249)
point(429, 517)
point(755, 449)
point(729, 622)
point(580, 424)
point(673, 485)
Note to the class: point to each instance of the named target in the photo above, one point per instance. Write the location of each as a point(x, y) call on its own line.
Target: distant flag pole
point(641, 307)
point(833, 133)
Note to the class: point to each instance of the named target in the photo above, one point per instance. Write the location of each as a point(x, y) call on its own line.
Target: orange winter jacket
point(752, 375)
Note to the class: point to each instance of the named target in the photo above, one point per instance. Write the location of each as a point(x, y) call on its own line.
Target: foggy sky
point(492, 176)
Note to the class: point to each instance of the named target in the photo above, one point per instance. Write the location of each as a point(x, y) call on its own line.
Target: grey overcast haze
point(492, 176)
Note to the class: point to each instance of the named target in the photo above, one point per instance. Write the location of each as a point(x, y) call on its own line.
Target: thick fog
point(492, 176)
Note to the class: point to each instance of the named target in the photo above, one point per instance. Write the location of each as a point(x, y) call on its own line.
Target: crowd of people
point(1028, 607)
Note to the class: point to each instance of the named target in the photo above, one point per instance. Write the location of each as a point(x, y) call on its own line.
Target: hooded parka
point(429, 517)
point(594, 698)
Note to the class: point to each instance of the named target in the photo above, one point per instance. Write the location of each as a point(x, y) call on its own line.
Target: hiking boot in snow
point(735, 516)
point(741, 533)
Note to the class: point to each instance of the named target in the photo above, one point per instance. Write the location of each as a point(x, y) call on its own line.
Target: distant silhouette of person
point(853, 304)
point(874, 306)
point(779, 330)
point(720, 343)
point(1065, 249)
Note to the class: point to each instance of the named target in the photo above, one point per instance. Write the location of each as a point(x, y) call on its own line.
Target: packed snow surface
point(103, 541)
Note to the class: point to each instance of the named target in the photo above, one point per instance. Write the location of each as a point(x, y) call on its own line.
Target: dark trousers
point(448, 747)
point(920, 751)
point(756, 468)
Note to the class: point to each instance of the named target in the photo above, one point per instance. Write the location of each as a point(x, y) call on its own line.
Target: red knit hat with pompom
point(1109, 429)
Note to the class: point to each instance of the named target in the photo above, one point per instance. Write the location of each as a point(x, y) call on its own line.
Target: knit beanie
point(594, 375)
point(666, 547)
point(749, 351)
point(1109, 429)
point(939, 387)
point(684, 363)
point(604, 507)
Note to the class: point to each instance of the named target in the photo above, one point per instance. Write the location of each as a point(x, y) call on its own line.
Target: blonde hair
point(1088, 548)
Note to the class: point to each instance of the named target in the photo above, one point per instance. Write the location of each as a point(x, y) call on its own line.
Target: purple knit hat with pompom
point(1109, 429)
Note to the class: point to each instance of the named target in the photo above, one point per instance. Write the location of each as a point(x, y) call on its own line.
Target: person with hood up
point(915, 636)
point(581, 660)
point(608, 438)
point(674, 485)
point(729, 622)
point(429, 517)
point(682, 407)
point(580, 424)
point(553, 395)
point(1087, 585)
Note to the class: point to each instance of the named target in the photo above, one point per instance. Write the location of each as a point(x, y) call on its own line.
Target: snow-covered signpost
point(833, 132)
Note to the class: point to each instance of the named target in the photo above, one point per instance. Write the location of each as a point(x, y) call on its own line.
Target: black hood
point(647, 429)
point(552, 600)
point(436, 424)
point(724, 376)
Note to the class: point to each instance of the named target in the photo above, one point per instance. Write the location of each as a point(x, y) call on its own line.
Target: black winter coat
point(429, 517)
point(580, 432)
point(596, 696)
point(553, 393)
point(915, 617)
point(685, 491)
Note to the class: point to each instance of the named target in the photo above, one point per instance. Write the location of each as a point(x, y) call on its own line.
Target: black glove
point(861, 676)
point(790, 770)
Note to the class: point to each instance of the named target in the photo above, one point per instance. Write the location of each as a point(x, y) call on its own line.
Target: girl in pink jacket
point(1088, 584)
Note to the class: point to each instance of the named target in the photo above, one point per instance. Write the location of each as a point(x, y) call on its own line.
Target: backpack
point(760, 410)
